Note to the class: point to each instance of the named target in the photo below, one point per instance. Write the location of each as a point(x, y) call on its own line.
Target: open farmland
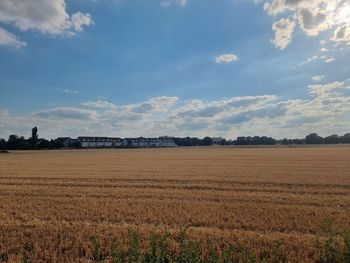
point(53, 201)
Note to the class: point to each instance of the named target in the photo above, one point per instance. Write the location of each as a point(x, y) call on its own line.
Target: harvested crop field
point(51, 202)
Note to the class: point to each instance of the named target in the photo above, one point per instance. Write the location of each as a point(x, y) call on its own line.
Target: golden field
point(51, 202)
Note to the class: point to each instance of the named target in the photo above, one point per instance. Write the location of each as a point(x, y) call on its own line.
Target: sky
point(128, 68)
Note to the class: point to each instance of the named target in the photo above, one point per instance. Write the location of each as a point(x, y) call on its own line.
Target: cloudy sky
point(174, 67)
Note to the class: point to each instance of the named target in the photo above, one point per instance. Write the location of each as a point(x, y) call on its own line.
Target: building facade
point(142, 142)
point(99, 142)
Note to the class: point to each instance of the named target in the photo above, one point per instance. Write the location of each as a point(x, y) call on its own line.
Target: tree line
point(312, 138)
point(16, 142)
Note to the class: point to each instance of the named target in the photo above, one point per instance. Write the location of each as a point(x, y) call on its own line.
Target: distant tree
point(286, 141)
point(24, 145)
point(229, 142)
point(241, 141)
point(207, 141)
point(299, 141)
point(346, 138)
point(224, 142)
point(2, 144)
point(57, 144)
point(313, 138)
point(196, 141)
point(255, 140)
point(332, 139)
point(13, 138)
point(12, 142)
point(75, 144)
point(183, 141)
point(44, 144)
point(267, 140)
point(17, 143)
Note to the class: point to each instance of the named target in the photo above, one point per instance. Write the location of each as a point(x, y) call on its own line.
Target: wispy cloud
point(166, 3)
point(67, 91)
point(99, 104)
point(327, 111)
point(67, 113)
point(226, 58)
point(9, 39)
point(317, 78)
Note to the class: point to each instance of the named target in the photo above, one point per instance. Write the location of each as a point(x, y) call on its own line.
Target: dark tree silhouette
point(17, 143)
point(333, 139)
point(44, 144)
point(313, 138)
point(207, 141)
point(34, 139)
point(2, 144)
point(346, 138)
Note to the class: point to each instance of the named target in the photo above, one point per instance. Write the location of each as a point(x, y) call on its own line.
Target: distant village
point(16, 142)
point(115, 142)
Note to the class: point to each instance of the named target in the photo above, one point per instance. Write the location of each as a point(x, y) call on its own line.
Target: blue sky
point(175, 67)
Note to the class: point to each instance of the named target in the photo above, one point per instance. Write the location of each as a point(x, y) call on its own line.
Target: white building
point(149, 142)
point(99, 142)
point(108, 142)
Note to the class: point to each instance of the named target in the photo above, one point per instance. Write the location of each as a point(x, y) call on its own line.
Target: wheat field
point(51, 202)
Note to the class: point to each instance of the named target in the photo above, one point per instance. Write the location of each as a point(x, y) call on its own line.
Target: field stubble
point(53, 201)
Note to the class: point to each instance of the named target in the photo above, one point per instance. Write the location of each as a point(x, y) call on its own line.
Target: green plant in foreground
point(335, 248)
point(332, 248)
point(134, 252)
point(118, 256)
point(159, 249)
point(96, 255)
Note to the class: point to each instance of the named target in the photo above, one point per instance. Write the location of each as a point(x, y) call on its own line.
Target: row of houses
point(114, 142)
point(100, 142)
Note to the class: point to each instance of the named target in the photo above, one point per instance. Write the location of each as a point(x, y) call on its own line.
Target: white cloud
point(226, 58)
point(283, 32)
point(317, 78)
point(325, 58)
point(329, 59)
point(182, 2)
point(327, 111)
point(9, 39)
point(312, 58)
point(67, 113)
point(166, 3)
point(47, 17)
point(313, 17)
point(342, 33)
point(99, 104)
point(325, 89)
point(156, 104)
point(66, 91)
point(70, 91)
point(79, 20)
